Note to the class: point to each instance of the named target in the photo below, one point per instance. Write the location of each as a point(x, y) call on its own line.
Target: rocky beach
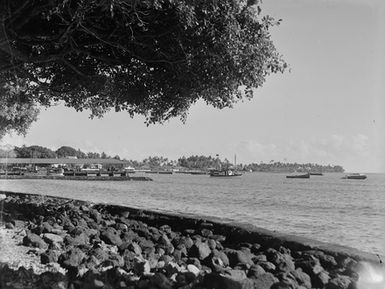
point(51, 242)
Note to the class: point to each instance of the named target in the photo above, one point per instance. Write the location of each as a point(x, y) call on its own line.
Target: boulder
point(199, 250)
point(50, 256)
point(52, 238)
point(72, 258)
point(302, 278)
point(232, 279)
point(158, 280)
point(141, 267)
point(111, 236)
point(265, 281)
point(193, 269)
point(339, 282)
point(34, 240)
point(255, 271)
point(239, 256)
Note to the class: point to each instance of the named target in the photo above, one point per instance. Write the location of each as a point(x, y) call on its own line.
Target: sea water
point(325, 208)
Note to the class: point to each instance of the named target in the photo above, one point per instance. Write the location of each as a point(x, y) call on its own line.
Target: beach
point(79, 244)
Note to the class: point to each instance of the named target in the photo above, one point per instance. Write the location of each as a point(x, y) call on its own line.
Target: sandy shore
point(49, 242)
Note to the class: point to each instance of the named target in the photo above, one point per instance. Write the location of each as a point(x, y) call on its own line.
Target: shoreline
point(75, 178)
point(209, 251)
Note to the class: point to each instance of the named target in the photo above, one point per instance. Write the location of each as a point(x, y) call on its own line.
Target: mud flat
point(50, 242)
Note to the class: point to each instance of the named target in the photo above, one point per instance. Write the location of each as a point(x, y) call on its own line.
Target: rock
point(134, 247)
point(183, 279)
point(187, 242)
point(255, 271)
point(111, 236)
point(72, 258)
point(206, 233)
point(50, 256)
point(200, 250)
point(265, 281)
point(212, 244)
point(98, 283)
point(78, 240)
point(52, 238)
point(320, 280)
point(164, 240)
point(141, 267)
point(340, 282)
point(259, 258)
point(302, 278)
point(195, 262)
point(238, 256)
point(165, 228)
point(100, 254)
point(233, 279)
point(46, 227)
point(34, 240)
point(328, 262)
point(114, 260)
point(283, 262)
point(160, 281)
point(193, 269)
point(171, 268)
point(9, 225)
point(267, 266)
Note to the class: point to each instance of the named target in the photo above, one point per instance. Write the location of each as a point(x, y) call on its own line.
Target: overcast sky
point(329, 109)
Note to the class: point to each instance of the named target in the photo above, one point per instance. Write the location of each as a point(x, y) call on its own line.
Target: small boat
point(355, 177)
point(224, 173)
point(299, 176)
point(197, 173)
point(316, 174)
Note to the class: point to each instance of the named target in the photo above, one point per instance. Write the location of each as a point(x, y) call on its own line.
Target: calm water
point(326, 208)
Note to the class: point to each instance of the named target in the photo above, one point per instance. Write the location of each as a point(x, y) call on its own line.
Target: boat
point(316, 174)
point(299, 176)
point(355, 177)
point(225, 173)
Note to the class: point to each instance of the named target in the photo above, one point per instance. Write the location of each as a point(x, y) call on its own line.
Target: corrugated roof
point(60, 161)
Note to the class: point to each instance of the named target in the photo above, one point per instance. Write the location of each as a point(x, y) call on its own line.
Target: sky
point(328, 109)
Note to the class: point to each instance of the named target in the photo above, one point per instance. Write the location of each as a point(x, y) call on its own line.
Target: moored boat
point(299, 176)
point(224, 173)
point(316, 174)
point(355, 177)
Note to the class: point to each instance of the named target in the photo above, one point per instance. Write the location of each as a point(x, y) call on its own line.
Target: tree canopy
point(149, 57)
